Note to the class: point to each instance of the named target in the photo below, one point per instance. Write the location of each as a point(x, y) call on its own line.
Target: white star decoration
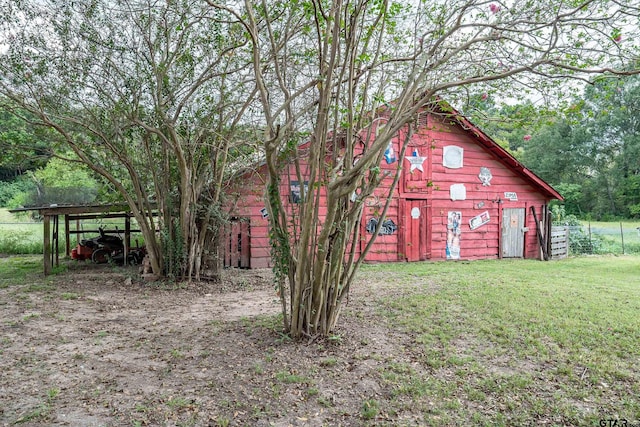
point(416, 161)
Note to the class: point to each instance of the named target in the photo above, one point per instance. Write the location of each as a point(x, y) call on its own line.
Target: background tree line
point(589, 149)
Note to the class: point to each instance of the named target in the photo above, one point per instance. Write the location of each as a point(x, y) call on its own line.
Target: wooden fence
point(559, 242)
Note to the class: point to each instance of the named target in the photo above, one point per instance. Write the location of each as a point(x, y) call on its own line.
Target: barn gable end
point(460, 196)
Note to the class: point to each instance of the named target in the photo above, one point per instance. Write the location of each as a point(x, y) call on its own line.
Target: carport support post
point(56, 238)
point(67, 236)
point(47, 245)
point(127, 238)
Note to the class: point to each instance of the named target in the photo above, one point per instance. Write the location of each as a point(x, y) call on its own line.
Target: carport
point(74, 214)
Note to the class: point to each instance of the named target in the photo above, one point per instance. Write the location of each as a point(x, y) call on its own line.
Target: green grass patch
point(370, 409)
point(558, 339)
point(41, 412)
point(19, 234)
point(290, 378)
point(328, 362)
point(17, 270)
point(179, 402)
point(69, 296)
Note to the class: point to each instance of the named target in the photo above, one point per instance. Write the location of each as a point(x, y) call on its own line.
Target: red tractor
point(105, 248)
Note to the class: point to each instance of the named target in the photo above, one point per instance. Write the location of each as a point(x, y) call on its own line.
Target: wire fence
point(604, 238)
point(27, 237)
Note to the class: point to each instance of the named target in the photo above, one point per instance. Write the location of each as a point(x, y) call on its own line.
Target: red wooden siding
point(484, 241)
point(246, 201)
point(411, 238)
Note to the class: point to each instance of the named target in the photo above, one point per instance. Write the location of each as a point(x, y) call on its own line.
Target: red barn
point(460, 196)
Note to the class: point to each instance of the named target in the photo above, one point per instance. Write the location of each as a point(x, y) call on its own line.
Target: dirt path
point(98, 348)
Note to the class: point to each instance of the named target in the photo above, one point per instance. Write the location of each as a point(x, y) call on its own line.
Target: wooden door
point(513, 233)
point(415, 230)
point(237, 247)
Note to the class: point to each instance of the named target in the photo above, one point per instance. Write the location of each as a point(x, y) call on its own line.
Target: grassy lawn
point(19, 270)
point(513, 342)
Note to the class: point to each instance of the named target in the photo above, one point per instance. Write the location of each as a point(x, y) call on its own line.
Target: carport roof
point(56, 209)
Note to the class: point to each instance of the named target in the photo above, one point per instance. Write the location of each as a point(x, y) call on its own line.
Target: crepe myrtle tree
point(328, 70)
point(148, 94)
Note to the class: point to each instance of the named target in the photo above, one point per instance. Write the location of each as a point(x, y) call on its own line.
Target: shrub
point(581, 243)
point(20, 242)
point(560, 217)
point(11, 190)
point(59, 182)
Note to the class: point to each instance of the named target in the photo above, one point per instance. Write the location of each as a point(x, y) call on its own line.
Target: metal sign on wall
point(511, 195)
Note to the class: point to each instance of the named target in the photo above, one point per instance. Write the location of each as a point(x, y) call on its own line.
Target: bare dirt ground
point(98, 347)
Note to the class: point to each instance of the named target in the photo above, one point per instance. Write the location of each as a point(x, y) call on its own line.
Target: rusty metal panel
point(512, 232)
